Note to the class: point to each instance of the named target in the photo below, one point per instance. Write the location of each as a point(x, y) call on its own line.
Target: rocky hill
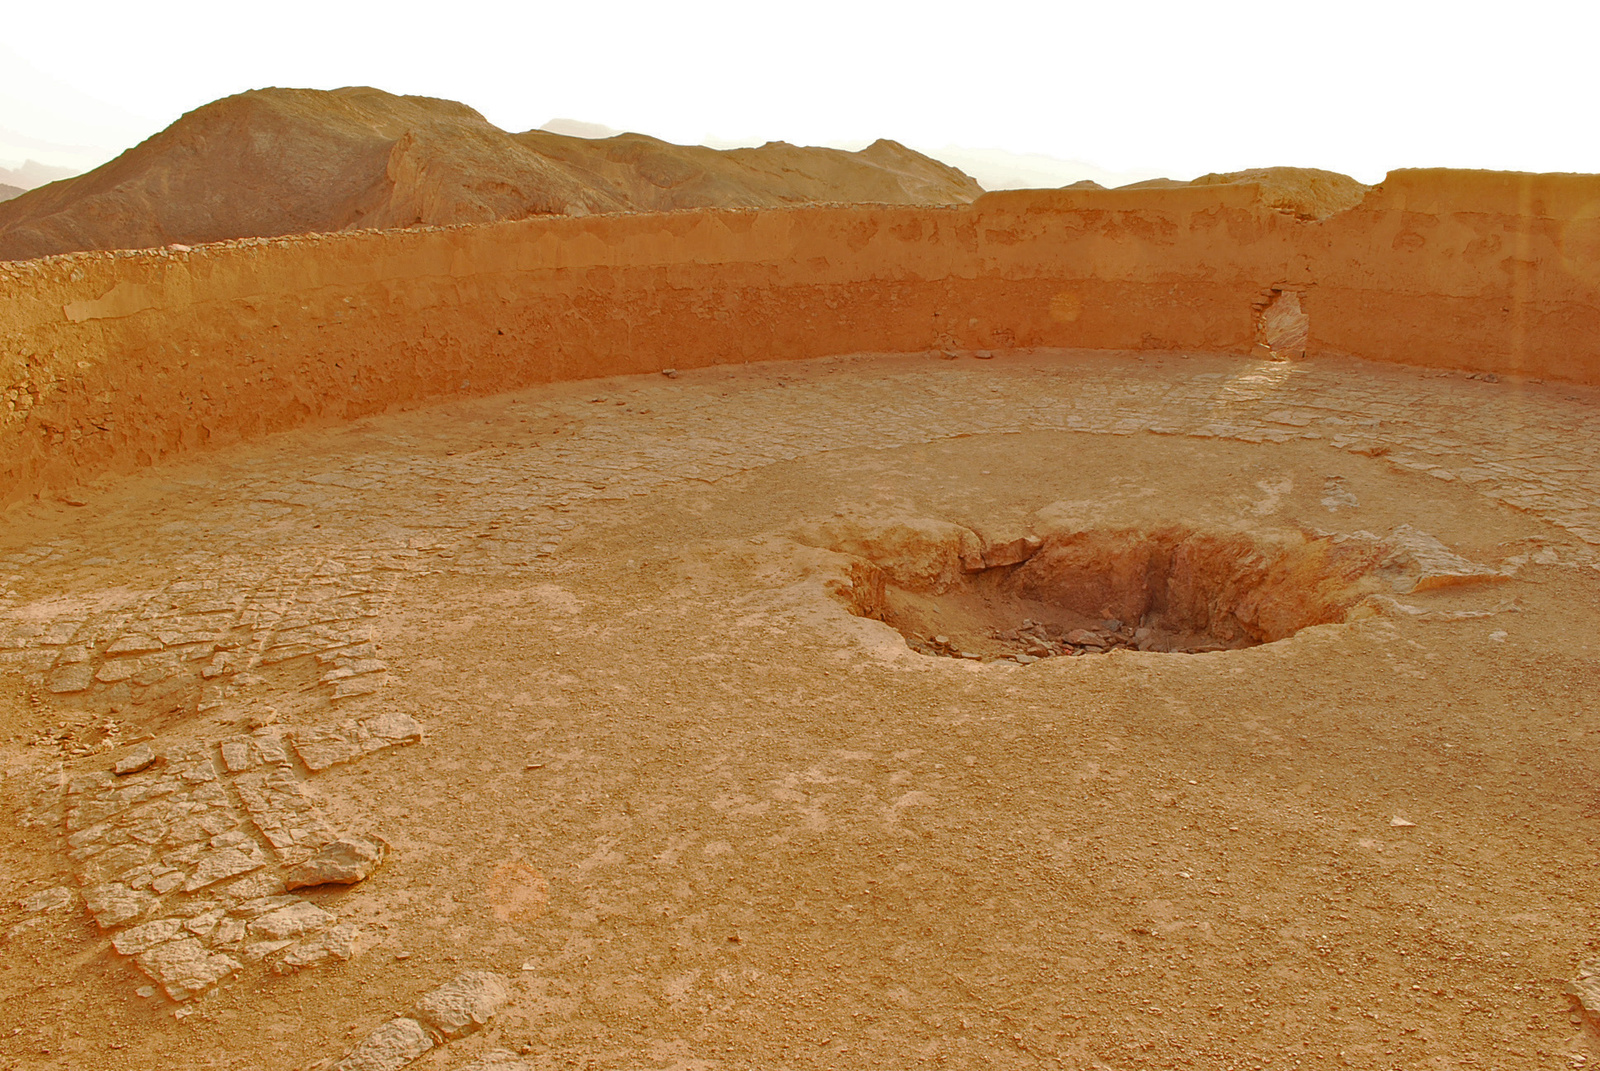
point(8, 192)
point(1307, 192)
point(289, 161)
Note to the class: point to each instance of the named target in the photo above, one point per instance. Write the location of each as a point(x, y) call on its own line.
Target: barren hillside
point(1308, 192)
point(287, 161)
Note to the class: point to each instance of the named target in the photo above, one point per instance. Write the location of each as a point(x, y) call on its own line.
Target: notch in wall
point(1282, 326)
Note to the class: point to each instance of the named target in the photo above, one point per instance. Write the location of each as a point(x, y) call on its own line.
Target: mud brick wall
point(1483, 270)
point(111, 361)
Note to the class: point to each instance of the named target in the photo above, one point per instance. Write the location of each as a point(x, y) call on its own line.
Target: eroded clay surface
point(633, 753)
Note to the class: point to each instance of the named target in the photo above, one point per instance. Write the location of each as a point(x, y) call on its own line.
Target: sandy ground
point(702, 817)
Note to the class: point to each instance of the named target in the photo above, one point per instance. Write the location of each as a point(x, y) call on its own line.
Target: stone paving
point(202, 640)
point(178, 855)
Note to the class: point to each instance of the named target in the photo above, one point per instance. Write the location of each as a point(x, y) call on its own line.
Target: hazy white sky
point(1176, 88)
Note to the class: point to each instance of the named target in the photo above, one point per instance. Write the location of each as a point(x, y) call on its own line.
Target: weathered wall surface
point(111, 361)
point(1492, 271)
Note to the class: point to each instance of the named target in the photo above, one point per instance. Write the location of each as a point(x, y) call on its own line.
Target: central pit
point(1170, 590)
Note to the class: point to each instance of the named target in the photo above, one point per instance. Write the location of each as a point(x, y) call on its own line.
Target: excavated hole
point(1173, 590)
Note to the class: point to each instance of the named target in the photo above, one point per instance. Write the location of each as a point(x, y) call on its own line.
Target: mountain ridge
point(271, 162)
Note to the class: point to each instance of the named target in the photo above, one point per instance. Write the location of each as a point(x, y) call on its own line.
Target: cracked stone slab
point(463, 1004)
point(388, 1048)
point(185, 968)
point(255, 951)
point(134, 643)
point(228, 856)
point(291, 921)
point(1419, 562)
point(71, 679)
point(113, 904)
point(142, 938)
point(48, 900)
point(339, 944)
point(258, 906)
point(174, 871)
point(283, 811)
point(354, 686)
point(497, 1060)
point(321, 748)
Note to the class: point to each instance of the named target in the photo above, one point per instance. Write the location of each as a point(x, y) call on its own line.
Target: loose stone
point(140, 758)
point(343, 862)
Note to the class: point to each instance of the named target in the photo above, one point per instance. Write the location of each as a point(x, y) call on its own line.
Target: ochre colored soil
point(702, 816)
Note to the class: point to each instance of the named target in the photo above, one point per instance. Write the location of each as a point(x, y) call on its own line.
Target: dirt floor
point(700, 815)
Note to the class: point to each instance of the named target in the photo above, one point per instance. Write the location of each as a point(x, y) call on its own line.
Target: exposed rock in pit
point(950, 592)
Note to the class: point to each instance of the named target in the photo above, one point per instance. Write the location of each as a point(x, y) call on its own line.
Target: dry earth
point(698, 815)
